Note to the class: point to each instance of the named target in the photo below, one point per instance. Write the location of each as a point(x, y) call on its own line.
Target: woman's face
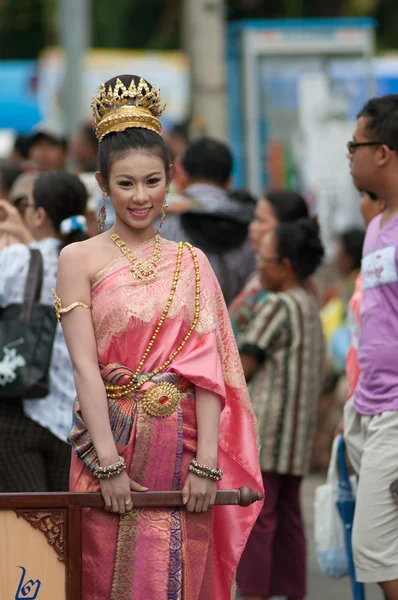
point(271, 271)
point(137, 187)
point(264, 221)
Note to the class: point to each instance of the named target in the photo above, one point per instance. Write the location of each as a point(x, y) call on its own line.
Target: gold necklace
point(146, 270)
point(161, 399)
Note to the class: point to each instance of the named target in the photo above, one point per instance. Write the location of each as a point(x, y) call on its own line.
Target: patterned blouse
point(285, 334)
point(54, 412)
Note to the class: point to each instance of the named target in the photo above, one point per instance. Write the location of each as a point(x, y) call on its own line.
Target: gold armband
point(61, 311)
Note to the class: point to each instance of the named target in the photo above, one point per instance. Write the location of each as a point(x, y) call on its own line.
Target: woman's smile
point(140, 213)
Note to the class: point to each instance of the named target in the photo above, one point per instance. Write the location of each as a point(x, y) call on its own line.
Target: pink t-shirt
point(351, 364)
point(377, 389)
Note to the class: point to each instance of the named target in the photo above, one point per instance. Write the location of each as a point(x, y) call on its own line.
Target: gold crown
point(121, 107)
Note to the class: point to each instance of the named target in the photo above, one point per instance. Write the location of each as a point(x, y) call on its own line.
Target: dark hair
point(52, 138)
point(208, 160)
point(288, 205)
point(88, 131)
point(180, 130)
point(9, 172)
point(243, 196)
point(22, 145)
point(352, 241)
point(62, 195)
point(382, 115)
point(115, 145)
point(301, 244)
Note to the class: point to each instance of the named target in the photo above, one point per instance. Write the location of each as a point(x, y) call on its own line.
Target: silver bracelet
point(204, 471)
point(110, 471)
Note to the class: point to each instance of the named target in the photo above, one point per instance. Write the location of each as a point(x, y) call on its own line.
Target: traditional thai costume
point(158, 338)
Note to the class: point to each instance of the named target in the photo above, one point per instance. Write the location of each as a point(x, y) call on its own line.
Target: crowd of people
point(194, 347)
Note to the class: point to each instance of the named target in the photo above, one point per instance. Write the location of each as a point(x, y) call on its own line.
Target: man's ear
point(384, 155)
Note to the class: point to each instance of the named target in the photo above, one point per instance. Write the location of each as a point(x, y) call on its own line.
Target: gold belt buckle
point(161, 399)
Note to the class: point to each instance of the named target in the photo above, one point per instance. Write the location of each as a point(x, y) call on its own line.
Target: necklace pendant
point(146, 270)
point(143, 269)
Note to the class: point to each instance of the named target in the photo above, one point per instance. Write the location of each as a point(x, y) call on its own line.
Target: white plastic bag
point(328, 527)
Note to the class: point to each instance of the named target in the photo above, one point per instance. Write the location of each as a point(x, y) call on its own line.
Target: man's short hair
point(382, 116)
point(208, 160)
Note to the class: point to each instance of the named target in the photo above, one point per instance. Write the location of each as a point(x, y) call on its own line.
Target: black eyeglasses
point(351, 146)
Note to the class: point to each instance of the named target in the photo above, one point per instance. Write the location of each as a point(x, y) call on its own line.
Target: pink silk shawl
point(125, 314)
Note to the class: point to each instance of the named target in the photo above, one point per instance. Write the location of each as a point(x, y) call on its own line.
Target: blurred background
point(281, 80)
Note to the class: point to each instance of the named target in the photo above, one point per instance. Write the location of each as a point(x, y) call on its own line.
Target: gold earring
point(102, 214)
point(163, 213)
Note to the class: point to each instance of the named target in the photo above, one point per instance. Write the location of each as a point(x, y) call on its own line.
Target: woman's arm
point(208, 410)
point(258, 339)
point(200, 493)
point(73, 285)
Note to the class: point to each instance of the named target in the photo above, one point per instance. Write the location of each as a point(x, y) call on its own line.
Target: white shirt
point(54, 412)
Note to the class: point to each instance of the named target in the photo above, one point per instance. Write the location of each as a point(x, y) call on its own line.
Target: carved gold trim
point(51, 523)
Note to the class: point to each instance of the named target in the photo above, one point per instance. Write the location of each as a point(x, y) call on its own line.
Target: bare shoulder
point(89, 256)
point(75, 253)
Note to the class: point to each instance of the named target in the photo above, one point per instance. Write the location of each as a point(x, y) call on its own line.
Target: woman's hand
point(12, 222)
point(116, 492)
point(199, 493)
point(340, 427)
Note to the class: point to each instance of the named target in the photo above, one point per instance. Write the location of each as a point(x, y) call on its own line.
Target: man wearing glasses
point(371, 415)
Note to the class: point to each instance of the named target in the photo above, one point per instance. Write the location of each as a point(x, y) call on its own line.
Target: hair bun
point(309, 225)
point(301, 244)
point(311, 234)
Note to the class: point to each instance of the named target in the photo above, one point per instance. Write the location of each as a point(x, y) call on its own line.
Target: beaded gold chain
point(119, 391)
point(141, 269)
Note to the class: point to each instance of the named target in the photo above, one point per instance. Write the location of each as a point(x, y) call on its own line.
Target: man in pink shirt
point(371, 415)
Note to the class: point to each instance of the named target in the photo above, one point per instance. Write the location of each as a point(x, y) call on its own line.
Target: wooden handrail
point(60, 517)
point(242, 497)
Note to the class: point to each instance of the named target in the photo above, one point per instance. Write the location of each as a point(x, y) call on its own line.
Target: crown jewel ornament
point(137, 105)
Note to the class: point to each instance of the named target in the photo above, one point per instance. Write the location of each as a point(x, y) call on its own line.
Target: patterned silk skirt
point(147, 554)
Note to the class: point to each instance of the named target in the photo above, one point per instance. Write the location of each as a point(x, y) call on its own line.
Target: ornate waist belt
point(159, 397)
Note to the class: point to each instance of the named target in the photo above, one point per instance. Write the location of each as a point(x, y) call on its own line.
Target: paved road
point(321, 587)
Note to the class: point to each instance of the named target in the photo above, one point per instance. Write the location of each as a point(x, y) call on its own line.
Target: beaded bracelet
point(204, 471)
point(111, 470)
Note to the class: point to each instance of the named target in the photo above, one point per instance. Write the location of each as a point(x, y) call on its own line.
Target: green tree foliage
point(136, 24)
point(22, 28)
point(26, 26)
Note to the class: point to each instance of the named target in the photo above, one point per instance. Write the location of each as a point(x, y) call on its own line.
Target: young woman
point(277, 206)
point(282, 352)
point(34, 455)
point(162, 403)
